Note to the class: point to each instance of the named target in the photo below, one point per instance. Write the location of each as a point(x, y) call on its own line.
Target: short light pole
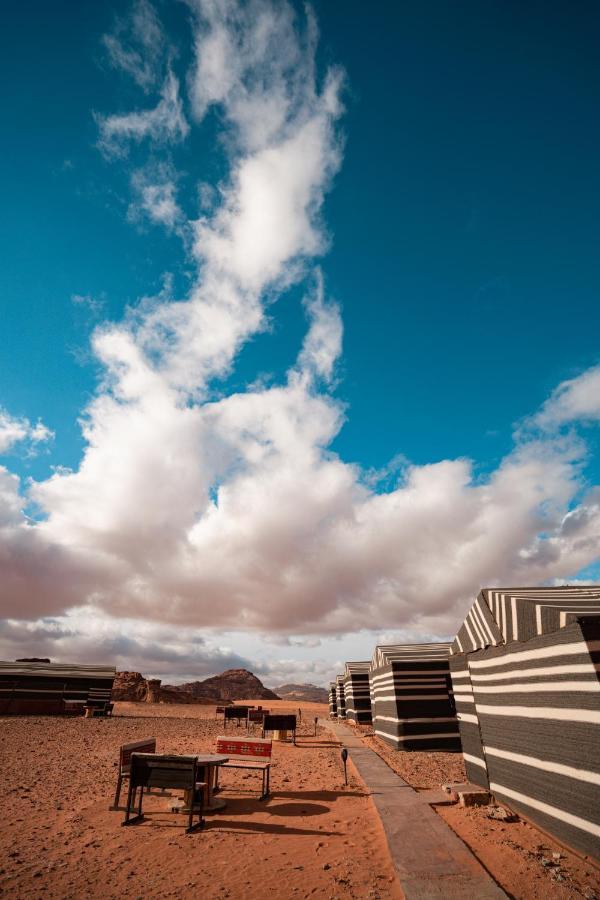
point(316, 720)
point(345, 760)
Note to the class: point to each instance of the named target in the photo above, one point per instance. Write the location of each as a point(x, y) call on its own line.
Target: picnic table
point(210, 763)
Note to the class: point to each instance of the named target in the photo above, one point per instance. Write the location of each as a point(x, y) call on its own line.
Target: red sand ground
point(511, 851)
point(314, 838)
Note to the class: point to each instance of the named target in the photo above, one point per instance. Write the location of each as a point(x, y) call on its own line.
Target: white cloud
point(155, 192)
point(20, 431)
point(234, 512)
point(166, 122)
point(137, 44)
point(577, 399)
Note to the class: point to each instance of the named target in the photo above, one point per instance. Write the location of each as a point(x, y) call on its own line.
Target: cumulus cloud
point(221, 512)
point(20, 431)
point(166, 122)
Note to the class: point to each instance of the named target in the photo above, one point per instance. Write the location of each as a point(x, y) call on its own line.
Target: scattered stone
point(468, 798)
point(501, 814)
point(326, 866)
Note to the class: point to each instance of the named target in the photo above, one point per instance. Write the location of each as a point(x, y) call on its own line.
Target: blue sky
point(459, 234)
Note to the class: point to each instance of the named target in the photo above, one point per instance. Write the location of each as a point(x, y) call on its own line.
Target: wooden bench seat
point(251, 754)
point(148, 770)
point(145, 745)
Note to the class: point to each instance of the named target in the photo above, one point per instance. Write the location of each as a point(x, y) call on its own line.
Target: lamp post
point(344, 760)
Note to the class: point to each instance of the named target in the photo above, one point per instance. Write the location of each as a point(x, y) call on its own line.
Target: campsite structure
point(411, 697)
point(53, 688)
point(332, 700)
point(357, 692)
point(525, 668)
point(340, 697)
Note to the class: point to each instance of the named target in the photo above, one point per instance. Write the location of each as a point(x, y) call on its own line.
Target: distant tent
point(339, 696)
point(356, 692)
point(332, 700)
point(51, 688)
point(525, 668)
point(411, 697)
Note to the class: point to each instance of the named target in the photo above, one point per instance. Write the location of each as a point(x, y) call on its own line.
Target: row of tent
point(34, 688)
point(517, 691)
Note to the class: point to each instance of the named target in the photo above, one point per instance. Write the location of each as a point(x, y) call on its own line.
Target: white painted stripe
point(515, 624)
point(416, 719)
point(460, 673)
point(503, 606)
point(402, 697)
point(573, 669)
point(467, 717)
point(418, 737)
point(538, 619)
point(470, 633)
point(589, 716)
point(540, 687)
point(475, 760)
point(542, 653)
point(460, 646)
point(553, 811)
point(546, 765)
point(464, 698)
point(477, 627)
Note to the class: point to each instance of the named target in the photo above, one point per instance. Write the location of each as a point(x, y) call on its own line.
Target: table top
point(207, 759)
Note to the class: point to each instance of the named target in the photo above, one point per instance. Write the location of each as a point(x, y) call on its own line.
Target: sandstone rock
point(309, 693)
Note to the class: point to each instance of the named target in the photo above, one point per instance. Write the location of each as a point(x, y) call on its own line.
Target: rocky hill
point(132, 686)
point(309, 693)
point(234, 684)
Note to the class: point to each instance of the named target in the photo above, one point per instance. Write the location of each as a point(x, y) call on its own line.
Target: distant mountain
point(234, 684)
point(310, 693)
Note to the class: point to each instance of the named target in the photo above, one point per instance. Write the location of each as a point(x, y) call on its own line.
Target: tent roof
point(388, 653)
point(503, 615)
point(357, 668)
point(56, 670)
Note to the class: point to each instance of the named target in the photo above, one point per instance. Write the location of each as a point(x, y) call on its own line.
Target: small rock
point(326, 866)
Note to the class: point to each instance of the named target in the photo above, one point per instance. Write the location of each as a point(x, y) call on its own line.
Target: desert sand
point(314, 838)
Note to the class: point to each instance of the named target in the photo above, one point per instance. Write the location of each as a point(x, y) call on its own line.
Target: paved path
point(431, 860)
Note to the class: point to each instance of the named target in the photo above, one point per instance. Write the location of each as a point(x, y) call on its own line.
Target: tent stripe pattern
point(332, 700)
point(340, 697)
point(357, 692)
point(52, 688)
point(528, 705)
point(411, 697)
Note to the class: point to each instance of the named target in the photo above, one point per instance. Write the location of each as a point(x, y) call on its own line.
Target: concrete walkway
point(430, 859)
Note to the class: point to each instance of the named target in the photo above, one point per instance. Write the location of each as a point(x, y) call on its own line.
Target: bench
point(235, 712)
point(145, 745)
point(148, 770)
point(256, 716)
point(251, 754)
point(280, 723)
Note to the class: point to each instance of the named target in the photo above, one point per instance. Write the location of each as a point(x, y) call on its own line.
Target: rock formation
point(234, 684)
point(309, 693)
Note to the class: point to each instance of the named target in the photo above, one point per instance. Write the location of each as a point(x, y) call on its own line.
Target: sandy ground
point(314, 838)
point(517, 855)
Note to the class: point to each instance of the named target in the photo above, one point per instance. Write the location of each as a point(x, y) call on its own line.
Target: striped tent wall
point(332, 700)
point(534, 697)
point(340, 697)
point(411, 697)
point(44, 688)
point(468, 723)
point(357, 692)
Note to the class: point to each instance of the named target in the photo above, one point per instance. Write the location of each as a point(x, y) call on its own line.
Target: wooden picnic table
point(209, 761)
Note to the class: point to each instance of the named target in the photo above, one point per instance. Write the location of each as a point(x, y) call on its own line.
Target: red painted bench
point(146, 745)
point(251, 754)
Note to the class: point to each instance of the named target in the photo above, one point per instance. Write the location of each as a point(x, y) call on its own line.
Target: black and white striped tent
point(411, 697)
point(357, 693)
point(339, 696)
point(332, 700)
point(52, 688)
point(525, 668)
